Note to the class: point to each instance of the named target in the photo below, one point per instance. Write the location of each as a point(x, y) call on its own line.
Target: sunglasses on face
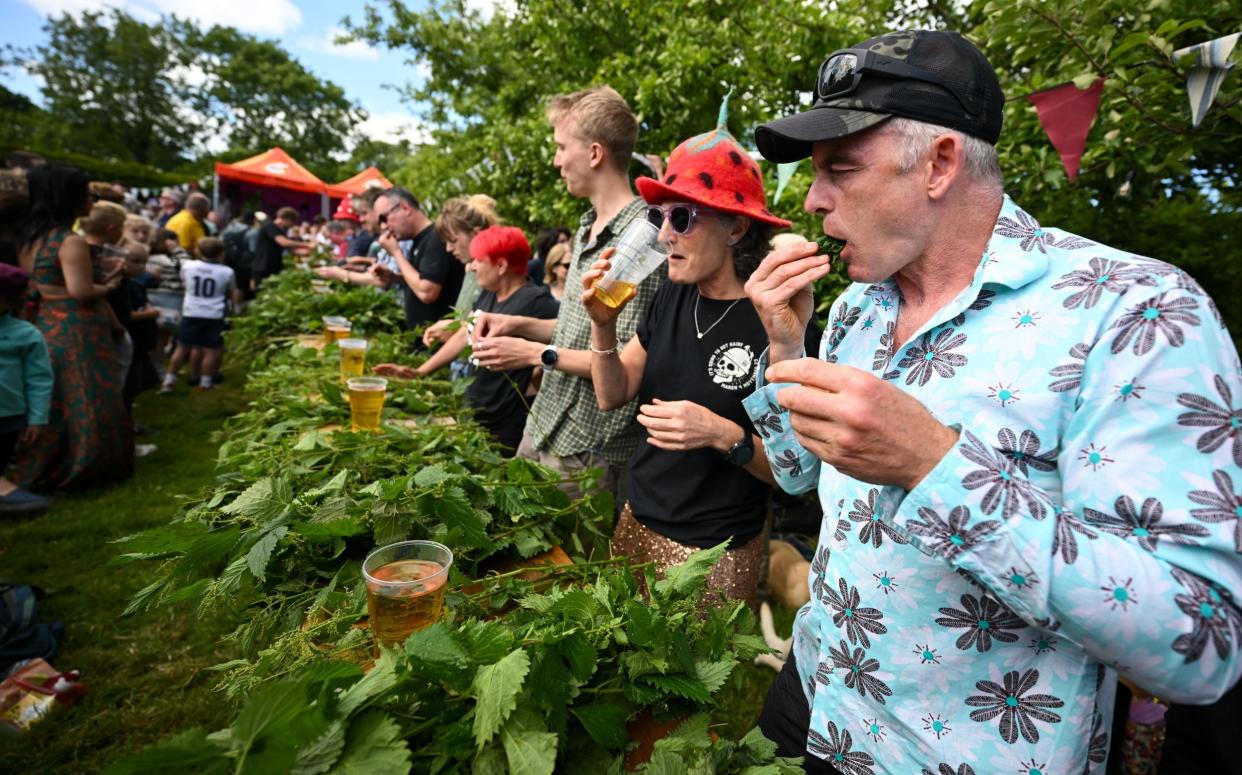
point(843, 70)
point(680, 218)
point(383, 217)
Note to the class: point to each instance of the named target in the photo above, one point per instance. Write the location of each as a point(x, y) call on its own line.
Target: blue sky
point(304, 27)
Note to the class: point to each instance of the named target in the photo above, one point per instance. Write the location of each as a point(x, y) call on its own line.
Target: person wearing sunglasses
point(698, 476)
point(1026, 444)
point(432, 277)
point(556, 269)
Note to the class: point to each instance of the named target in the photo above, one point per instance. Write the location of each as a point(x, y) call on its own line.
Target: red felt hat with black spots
point(345, 212)
point(712, 169)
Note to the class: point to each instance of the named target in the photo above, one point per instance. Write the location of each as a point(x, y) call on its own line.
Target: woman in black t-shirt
point(700, 476)
point(500, 255)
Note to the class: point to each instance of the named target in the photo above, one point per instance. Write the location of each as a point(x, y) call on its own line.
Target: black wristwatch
point(741, 453)
point(548, 357)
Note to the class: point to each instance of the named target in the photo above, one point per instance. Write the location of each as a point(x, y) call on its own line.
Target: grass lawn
point(146, 672)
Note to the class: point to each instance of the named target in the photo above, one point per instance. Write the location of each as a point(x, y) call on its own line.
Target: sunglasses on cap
point(843, 70)
point(680, 218)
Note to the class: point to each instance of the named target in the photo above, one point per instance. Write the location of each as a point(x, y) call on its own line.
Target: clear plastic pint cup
point(639, 252)
point(335, 327)
point(405, 588)
point(353, 357)
point(366, 402)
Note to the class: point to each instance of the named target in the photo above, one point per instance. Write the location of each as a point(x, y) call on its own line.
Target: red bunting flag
point(1066, 113)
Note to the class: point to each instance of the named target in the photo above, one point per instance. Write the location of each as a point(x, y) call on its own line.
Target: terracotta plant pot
point(554, 556)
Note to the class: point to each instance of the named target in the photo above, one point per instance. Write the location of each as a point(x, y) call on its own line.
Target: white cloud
point(57, 7)
point(488, 8)
point(394, 127)
point(355, 49)
point(267, 17)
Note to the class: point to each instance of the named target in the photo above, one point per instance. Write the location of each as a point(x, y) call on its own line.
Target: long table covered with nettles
point(538, 669)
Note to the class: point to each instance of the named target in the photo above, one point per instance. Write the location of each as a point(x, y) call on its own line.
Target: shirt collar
point(1016, 253)
point(605, 234)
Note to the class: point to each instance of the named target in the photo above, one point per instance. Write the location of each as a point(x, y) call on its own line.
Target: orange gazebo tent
point(359, 183)
point(273, 169)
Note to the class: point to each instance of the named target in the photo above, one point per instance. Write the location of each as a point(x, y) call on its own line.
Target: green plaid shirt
point(565, 418)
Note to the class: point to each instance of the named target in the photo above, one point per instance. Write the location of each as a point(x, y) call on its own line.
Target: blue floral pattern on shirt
point(1087, 523)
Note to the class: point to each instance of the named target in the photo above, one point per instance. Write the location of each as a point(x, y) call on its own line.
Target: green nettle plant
point(529, 670)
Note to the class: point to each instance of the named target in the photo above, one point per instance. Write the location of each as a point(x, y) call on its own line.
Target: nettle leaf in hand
point(830, 246)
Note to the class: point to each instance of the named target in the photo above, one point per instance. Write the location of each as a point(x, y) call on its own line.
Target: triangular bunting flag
point(783, 173)
point(1210, 68)
point(1066, 113)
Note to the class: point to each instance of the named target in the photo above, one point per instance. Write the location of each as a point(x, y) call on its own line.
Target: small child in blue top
point(25, 388)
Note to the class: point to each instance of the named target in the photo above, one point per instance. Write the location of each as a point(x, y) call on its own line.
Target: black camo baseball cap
point(926, 75)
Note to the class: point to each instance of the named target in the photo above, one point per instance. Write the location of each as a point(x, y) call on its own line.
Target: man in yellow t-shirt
point(188, 224)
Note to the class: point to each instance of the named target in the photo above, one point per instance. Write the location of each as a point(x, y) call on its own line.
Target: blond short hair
point(558, 252)
point(137, 250)
point(603, 117)
point(463, 214)
point(104, 215)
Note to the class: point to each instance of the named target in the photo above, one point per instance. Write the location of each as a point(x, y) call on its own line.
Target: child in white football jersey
point(208, 286)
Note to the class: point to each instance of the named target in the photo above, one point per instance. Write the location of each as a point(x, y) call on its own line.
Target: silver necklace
point(702, 334)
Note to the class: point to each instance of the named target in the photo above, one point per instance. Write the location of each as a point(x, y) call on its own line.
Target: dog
point(787, 585)
point(787, 575)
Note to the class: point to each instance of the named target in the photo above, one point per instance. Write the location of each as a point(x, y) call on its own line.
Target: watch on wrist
point(741, 453)
point(548, 358)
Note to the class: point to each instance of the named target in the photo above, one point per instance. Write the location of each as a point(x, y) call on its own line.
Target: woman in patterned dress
point(89, 441)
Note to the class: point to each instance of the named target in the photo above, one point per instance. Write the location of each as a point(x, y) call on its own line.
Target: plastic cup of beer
point(366, 401)
point(334, 328)
point(405, 588)
point(639, 252)
point(353, 357)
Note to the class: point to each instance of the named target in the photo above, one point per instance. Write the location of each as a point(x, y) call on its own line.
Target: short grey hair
point(916, 138)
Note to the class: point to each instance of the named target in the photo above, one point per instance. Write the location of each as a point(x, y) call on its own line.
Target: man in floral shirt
point(1026, 444)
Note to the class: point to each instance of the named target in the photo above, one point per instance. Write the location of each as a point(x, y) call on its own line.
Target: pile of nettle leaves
point(522, 675)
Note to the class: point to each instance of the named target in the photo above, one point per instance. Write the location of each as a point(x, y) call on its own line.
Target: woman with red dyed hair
point(499, 257)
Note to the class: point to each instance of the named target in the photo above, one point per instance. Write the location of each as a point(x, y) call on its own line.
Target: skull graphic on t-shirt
point(732, 366)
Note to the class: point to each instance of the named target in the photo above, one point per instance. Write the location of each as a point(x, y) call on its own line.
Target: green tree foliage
point(1149, 182)
point(368, 152)
point(120, 89)
point(111, 82)
point(259, 96)
point(673, 61)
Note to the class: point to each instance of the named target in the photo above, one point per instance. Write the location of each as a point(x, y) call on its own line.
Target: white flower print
point(1143, 464)
point(1009, 385)
point(1024, 330)
point(929, 661)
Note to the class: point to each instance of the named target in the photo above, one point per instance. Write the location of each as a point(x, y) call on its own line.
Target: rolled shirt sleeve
point(796, 470)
